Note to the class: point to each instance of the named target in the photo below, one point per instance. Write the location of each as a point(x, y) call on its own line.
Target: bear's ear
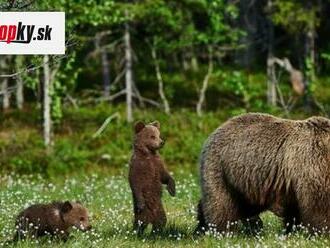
point(156, 124)
point(67, 206)
point(139, 126)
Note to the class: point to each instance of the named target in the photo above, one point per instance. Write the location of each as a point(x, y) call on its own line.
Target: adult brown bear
point(257, 162)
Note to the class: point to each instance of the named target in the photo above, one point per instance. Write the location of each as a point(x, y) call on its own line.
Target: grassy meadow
point(94, 170)
point(109, 201)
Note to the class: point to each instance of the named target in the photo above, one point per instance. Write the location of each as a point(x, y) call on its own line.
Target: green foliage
point(234, 81)
point(244, 86)
point(75, 150)
point(181, 20)
point(83, 12)
point(32, 80)
point(326, 56)
point(68, 157)
point(296, 16)
point(64, 82)
point(92, 12)
point(217, 31)
point(159, 15)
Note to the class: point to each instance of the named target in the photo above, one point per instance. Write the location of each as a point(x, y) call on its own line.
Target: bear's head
point(76, 215)
point(147, 137)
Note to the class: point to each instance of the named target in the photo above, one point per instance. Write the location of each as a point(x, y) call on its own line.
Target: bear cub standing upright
point(147, 173)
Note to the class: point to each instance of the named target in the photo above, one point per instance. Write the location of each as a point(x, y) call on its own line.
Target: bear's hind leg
point(201, 226)
point(291, 218)
point(220, 210)
point(160, 220)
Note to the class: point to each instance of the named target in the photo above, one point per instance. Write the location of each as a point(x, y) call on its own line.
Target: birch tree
point(104, 62)
point(46, 103)
point(271, 80)
point(160, 81)
point(4, 84)
point(206, 80)
point(19, 83)
point(128, 71)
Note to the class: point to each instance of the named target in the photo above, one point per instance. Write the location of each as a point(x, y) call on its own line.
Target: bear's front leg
point(171, 186)
point(168, 180)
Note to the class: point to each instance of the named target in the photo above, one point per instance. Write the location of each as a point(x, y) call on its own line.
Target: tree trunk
point(106, 72)
point(105, 66)
point(4, 85)
point(185, 63)
point(128, 72)
point(160, 82)
point(248, 23)
point(310, 52)
point(138, 95)
point(47, 121)
point(5, 95)
point(194, 61)
point(204, 86)
point(19, 84)
point(310, 58)
point(271, 80)
point(310, 75)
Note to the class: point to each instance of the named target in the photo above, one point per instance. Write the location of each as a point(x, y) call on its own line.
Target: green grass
point(109, 201)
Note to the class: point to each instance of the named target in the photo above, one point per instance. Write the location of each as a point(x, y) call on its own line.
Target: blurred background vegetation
point(191, 64)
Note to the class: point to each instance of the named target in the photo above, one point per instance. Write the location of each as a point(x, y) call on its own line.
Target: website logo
point(32, 33)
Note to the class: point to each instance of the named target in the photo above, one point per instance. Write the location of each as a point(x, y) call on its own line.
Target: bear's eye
point(153, 136)
point(82, 218)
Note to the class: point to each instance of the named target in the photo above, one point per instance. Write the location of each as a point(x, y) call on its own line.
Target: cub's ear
point(155, 124)
point(138, 126)
point(66, 207)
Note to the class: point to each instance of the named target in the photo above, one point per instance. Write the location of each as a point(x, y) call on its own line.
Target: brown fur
point(146, 175)
point(54, 219)
point(257, 162)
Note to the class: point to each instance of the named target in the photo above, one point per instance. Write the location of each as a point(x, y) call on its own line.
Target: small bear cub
point(51, 219)
point(147, 173)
